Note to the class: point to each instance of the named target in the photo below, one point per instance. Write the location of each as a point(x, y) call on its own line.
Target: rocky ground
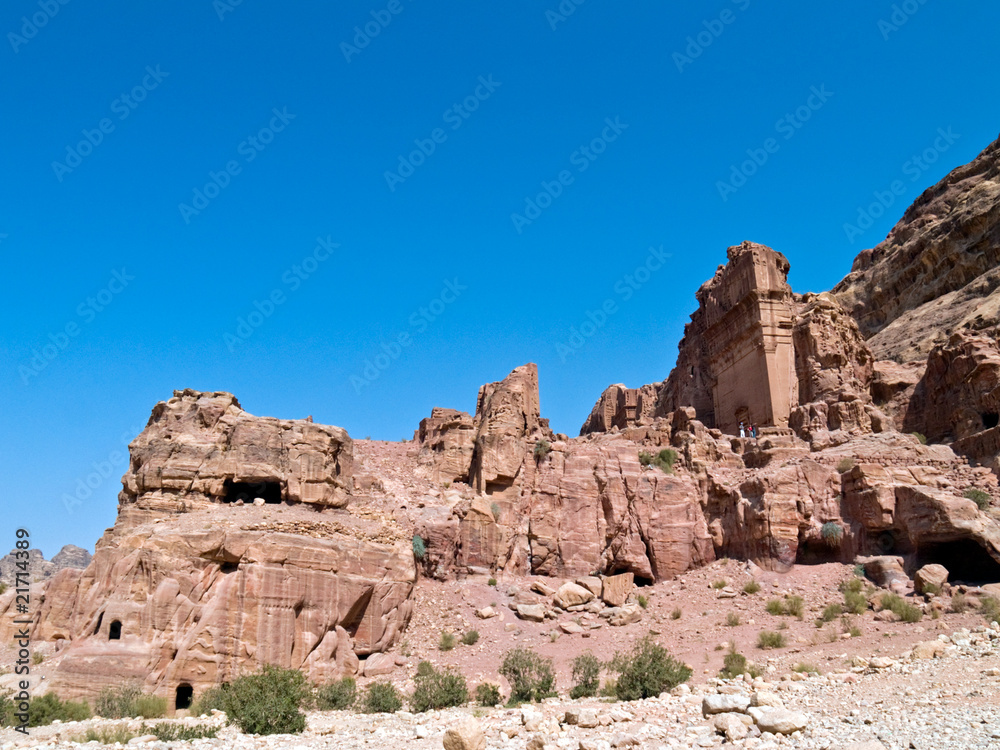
point(870, 686)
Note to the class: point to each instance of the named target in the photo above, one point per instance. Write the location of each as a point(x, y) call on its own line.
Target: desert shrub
point(178, 732)
point(437, 690)
point(3, 589)
point(845, 464)
point(530, 675)
point(645, 458)
point(542, 448)
point(770, 639)
point(496, 510)
point(488, 695)
point(794, 606)
point(751, 587)
point(733, 664)
point(45, 709)
point(855, 631)
point(832, 533)
point(37, 658)
point(424, 669)
point(920, 437)
point(676, 614)
point(646, 671)
point(211, 699)
point(990, 608)
point(720, 584)
point(7, 708)
point(470, 638)
point(806, 668)
point(381, 698)
point(906, 611)
point(980, 498)
point(831, 612)
point(492, 582)
point(337, 696)
point(586, 676)
point(447, 641)
point(107, 736)
point(128, 701)
point(419, 547)
point(665, 460)
point(959, 603)
point(267, 702)
point(643, 601)
point(855, 602)
point(732, 619)
point(775, 607)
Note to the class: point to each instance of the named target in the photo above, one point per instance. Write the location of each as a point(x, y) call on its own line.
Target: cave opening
point(249, 491)
point(966, 561)
point(115, 631)
point(990, 419)
point(183, 696)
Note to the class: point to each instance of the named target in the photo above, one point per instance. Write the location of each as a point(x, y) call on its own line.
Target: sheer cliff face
point(937, 271)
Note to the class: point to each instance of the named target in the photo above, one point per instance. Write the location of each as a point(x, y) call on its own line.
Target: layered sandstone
point(937, 271)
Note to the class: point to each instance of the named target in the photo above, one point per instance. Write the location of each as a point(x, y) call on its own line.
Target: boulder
point(486, 613)
point(466, 735)
point(592, 583)
point(884, 570)
point(928, 650)
point(935, 576)
point(531, 612)
point(766, 698)
point(778, 720)
point(718, 704)
point(571, 595)
point(730, 725)
point(615, 590)
point(377, 665)
point(619, 616)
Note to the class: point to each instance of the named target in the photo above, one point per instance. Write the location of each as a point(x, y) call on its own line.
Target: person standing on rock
point(742, 430)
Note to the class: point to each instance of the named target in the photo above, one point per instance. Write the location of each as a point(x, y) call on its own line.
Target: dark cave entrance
point(184, 696)
point(115, 631)
point(965, 560)
point(814, 552)
point(990, 419)
point(249, 491)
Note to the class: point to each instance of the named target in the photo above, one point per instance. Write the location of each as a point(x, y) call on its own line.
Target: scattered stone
point(717, 704)
point(467, 735)
point(778, 720)
point(935, 576)
point(571, 595)
point(615, 590)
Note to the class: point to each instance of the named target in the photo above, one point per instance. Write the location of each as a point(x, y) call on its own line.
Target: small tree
point(337, 696)
point(381, 698)
point(267, 702)
point(542, 448)
point(647, 671)
point(531, 676)
point(586, 676)
point(419, 548)
point(436, 690)
point(488, 695)
point(832, 533)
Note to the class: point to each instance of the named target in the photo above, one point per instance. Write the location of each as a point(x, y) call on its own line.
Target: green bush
point(736, 664)
point(496, 510)
point(586, 676)
point(775, 607)
point(832, 533)
point(806, 668)
point(642, 601)
point(720, 584)
point(381, 698)
point(959, 603)
point(45, 709)
point(906, 611)
point(531, 676)
point(6, 709)
point(108, 736)
point(665, 460)
point(447, 641)
point(732, 620)
point(128, 701)
point(831, 612)
point(178, 732)
point(676, 614)
point(492, 582)
point(646, 671)
point(770, 639)
point(267, 702)
point(435, 690)
point(921, 438)
point(855, 602)
point(989, 607)
point(542, 448)
point(337, 696)
point(645, 458)
point(980, 498)
point(470, 638)
point(791, 605)
point(488, 695)
point(845, 464)
point(211, 699)
point(419, 548)
point(3, 589)
point(752, 587)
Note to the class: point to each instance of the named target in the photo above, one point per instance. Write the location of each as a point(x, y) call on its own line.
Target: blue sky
point(264, 200)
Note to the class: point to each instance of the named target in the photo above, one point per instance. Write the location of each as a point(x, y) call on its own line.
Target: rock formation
point(937, 271)
point(228, 553)
point(41, 569)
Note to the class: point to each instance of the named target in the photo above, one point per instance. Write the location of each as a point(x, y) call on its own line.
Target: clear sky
point(263, 198)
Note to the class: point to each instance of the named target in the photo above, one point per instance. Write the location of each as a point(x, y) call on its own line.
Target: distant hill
point(69, 556)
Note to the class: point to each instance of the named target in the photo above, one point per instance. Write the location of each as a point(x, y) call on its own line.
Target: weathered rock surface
point(40, 569)
point(937, 271)
point(446, 440)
